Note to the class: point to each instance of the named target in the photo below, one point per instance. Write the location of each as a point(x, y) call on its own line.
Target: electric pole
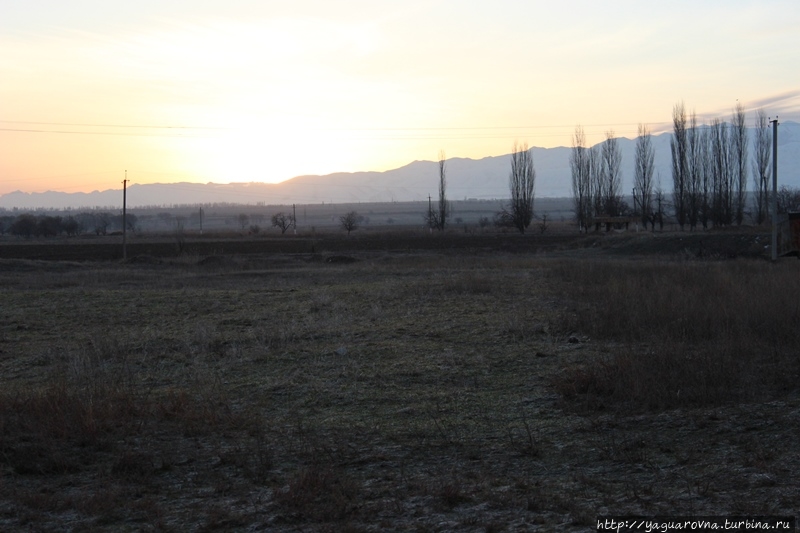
point(774, 189)
point(125, 217)
point(294, 217)
point(201, 221)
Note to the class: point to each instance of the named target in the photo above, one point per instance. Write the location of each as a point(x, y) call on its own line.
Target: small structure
point(789, 234)
point(615, 222)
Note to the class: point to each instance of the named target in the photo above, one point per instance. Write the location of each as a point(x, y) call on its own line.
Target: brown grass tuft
point(693, 333)
point(319, 494)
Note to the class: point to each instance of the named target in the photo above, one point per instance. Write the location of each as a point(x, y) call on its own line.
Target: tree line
point(709, 169)
point(597, 177)
point(710, 172)
point(28, 225)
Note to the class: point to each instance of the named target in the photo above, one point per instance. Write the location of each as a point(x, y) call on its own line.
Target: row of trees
point(709, 173)
point(710, 169)
point(597, 178)
point(28, 225)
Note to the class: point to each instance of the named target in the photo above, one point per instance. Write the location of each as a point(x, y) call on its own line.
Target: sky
point(162, 91)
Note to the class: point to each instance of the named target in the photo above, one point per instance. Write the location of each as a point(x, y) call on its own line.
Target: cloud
point(787, 103)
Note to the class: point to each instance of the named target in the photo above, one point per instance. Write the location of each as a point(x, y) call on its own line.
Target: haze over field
point(197, 92)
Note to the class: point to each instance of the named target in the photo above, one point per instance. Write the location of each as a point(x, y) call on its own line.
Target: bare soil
point(414, 383)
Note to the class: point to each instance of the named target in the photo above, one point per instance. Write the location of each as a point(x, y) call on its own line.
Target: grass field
point(398, 383)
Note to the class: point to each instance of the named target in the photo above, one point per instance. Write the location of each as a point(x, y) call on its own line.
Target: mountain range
point(485, 178)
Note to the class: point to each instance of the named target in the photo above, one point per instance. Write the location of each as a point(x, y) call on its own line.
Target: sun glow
point(282, 91)
point(252, 153)
point(265, 91)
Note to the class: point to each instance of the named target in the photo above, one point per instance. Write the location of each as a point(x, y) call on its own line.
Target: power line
point(385, 133)
point(90, 125)
point(398, 136)
point(21, 130)
point(411, 128)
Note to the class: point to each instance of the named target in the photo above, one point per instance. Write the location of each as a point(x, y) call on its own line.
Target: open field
point(396, 382)
point(310, 217)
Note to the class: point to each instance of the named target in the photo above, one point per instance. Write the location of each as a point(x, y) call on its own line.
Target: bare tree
point(611, 161)
point(444, 206)
point(431, 216)
point(721, 198)
point(543, 225)
point(659, 204)
point(503, 218)
point(436, 218)
point(131, 221)
point(350, 221)
point(522, 184)
point(739, 142)
point(761, 168)
point(581, 179)
point(678, 145)
point(24, 225)
point(102, 220)
point(283, 221)
point(243, 219)
point(5, 224)
point(706, 182)
point(694, 169)
point(596, 180)
point(643, 174)
point(788, 199)
point(70, 226)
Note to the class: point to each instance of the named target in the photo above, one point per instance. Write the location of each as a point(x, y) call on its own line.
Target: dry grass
point(400, 392)
point(685, 334)
point(319, 494)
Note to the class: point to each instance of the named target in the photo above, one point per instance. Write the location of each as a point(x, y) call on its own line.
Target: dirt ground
point(559, 237)
point(381, 383)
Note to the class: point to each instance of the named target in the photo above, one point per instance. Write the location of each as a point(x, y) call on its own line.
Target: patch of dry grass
point(684, 333)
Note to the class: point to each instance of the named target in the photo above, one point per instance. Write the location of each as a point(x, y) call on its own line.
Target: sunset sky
point(235, 91)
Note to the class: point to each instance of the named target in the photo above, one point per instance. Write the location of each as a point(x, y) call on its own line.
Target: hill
point(485, 178)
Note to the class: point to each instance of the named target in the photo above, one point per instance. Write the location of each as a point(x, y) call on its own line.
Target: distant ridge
point(484, 179)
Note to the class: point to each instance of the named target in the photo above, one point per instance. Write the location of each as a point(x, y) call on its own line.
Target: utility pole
point(125, 217)
point(294, 217)
point(774, 189)
point(201, 221)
